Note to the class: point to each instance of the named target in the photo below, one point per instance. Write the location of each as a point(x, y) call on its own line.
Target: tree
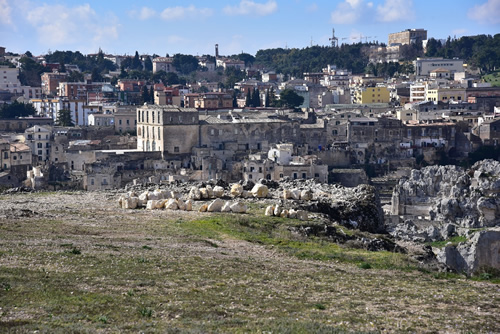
point(185, 64)
point(75, 76)
point(290, 99)
point(16, 109)
point(256, 98)
point(96, 76)
point(148, 64)
point(64, 118)
point(248, 100)
point(145, 94)
point(136, 62)
point(152, 94)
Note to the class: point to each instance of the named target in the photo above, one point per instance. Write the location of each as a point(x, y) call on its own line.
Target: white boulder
point(260, 191)
point(215, 206)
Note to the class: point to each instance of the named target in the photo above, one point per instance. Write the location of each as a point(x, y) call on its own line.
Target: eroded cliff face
point(440, 202)
point(450, 194)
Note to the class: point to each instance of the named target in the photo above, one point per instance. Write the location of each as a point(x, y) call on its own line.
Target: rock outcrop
point(450, 194)
point(479, 253)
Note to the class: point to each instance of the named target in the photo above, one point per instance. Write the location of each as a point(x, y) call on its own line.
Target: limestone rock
point(306, 195)
point(203, 208)
point(302, 215)
point(295, 194)
point(449, 194)
point(194, 193)
point(152, 204)
point(480, 252)
point(226, 207)
point(218, 192)
point(130, 203)
point(284, 214)
point(204, 193)
point(260, 191)
point(210, 191)
point(171, 204)
point(236, 190)
point(215, 206)
point(238, 207)
point(246, 194)
point(277, 210)
point(181, 204)
point(269, 211)
point(287, 194)
point(292, 214)
point(189, 205)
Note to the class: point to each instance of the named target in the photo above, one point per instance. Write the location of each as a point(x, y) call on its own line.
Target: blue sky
point(194, 27)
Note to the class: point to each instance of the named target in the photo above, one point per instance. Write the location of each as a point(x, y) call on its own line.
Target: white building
point(38, 139)
point(424, 66)
point(163, 64)
point(51, 107)
point(101, 120)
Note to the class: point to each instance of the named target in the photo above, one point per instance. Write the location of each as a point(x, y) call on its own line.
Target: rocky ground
point(77, 262)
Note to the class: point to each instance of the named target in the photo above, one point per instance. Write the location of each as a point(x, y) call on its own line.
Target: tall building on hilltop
point(408, 36)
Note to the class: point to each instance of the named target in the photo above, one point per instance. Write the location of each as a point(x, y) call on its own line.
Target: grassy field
point(80, 268)
point(493, 78)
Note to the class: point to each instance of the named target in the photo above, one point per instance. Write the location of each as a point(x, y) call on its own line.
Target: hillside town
point(332, 126)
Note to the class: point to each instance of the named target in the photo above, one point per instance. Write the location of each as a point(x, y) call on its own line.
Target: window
point(281, 175)
point(6, 155)
point(250, 176)
point(212, 132)
point(220, 132)
point(92, 181)
point(39, 152)
point(252, 168)
point(47, 145)
point(176, 149)
point(128, 122)
point(120, 122)
point(294, 176)
point(304, 175)
point(260, 169)
point(39, 145)
point(14, 157)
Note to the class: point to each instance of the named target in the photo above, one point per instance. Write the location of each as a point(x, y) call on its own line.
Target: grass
point(453, 241)
point(274, 231)
point(493, 78)
point(219, 273)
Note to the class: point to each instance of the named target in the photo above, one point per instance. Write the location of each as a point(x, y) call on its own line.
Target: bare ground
point(75, 262)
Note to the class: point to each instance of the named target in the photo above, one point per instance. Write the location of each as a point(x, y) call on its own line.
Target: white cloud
point(191, 12)
point(59, 26)
point(5, 13)
point(144, 14)
point(248, 7)
point(488, 12)
point(395, 10)
point(348, 12)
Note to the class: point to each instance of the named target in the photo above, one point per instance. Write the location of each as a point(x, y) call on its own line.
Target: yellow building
point(367, 95)
point(445, 94)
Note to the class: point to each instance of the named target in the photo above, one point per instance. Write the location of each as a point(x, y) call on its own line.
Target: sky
point(194, 27)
